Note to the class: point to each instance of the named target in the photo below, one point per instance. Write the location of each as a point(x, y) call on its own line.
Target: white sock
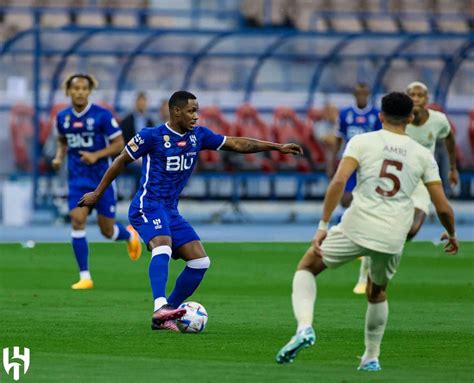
point(85, 275)
point(364, 270)
point(375, 321)
point(303, 298)
point(159, 302)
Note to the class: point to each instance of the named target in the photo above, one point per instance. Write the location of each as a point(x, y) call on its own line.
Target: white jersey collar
point(80, 114)
point(169, 128)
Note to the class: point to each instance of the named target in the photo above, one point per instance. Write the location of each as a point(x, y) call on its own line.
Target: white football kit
point(437, 126)
point(390, 166)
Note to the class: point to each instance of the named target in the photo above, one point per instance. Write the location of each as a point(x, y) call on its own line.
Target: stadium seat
point(471, 133)
point(287, 127)
point(317, 153)
point(212, 118)
point(248, 123)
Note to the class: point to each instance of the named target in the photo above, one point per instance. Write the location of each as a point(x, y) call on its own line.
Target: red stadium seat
point(212, 118)
point(21, 127)
point(248, 123)
point(471, 132)
point(317, 153)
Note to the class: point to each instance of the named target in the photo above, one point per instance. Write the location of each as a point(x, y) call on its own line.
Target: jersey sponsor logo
point(167, 143)
point(360, 119)
point(77, 124)
point(80, 140)
point(181, 144)
point(178, 163)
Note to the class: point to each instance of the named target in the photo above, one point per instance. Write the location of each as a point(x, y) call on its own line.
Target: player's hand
point(56, 163)
point(318, 239)
point(453, 177)
point(291, 149)
point(88, 157)
point(452, 244)
point(88, 199)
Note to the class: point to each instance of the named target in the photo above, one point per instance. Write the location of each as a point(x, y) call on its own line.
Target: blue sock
point(81, 249)
point(158, 271)
point(120, 232)
point(188, 281)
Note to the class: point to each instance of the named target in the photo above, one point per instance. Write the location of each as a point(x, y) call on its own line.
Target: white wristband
point(323, 225)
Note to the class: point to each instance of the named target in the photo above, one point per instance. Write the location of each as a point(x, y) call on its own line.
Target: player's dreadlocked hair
point(397, 107)
point(93, 83)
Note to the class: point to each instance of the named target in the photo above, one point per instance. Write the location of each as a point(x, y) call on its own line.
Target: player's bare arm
point(114, 148)
point(250, 145)
point(453, 174)
point(61, 150)
point(122, 160)
point(333, 196)
point(446, 216)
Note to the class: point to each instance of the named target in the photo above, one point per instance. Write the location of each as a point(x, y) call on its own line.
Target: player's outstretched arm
point(61, 151)
point(453, 174)
point(90, 199)
point(445, 214)
point(251, 145)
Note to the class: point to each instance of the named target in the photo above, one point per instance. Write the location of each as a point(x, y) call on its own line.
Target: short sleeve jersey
point(354, 121)
point(390, 167)
point(437, 126)
point(90, 130)
point(168, 161)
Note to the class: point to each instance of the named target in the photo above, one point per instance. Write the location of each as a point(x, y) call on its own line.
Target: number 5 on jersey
point(385, 173)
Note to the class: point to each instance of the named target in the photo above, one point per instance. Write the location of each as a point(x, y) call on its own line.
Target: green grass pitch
point(103, 335)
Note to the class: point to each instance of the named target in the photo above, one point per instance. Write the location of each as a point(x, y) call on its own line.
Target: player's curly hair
point(93, 83)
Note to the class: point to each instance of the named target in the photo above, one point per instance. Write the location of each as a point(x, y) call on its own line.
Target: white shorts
point(421, 198)
point(338, 250)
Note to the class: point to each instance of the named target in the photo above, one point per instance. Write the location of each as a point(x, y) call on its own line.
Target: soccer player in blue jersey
point(89, 135)
point(359, 118)
point(170, 153)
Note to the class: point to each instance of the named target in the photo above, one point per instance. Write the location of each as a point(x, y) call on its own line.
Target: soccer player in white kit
point(389, 167)
point(426, 128)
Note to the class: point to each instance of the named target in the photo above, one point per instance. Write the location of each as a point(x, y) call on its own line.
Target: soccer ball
point(195, 319)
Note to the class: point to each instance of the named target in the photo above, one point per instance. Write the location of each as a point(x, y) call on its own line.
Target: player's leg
point(154, 229)
point(163, 313)
point(187, 246)
point(114, 230)
point(382, 268)
point(418, 220)
point(337, 250)
point(361, 285)
point(80, 247)
point(375, 322)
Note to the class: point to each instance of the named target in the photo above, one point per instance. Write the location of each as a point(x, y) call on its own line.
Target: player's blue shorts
point(105, 206)
point(351, 183)
point(162, 221)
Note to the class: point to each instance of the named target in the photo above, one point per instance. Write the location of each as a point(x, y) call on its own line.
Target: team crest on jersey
point(193, 139)
point(167, 141)
point(67, 122)
point(90, 123)
point(349, 118)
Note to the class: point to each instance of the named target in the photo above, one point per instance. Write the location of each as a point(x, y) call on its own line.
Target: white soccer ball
point(195, 319)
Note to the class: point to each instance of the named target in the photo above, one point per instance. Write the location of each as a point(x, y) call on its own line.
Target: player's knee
point(77, 223)
point(375, 294)
point(199, 263)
